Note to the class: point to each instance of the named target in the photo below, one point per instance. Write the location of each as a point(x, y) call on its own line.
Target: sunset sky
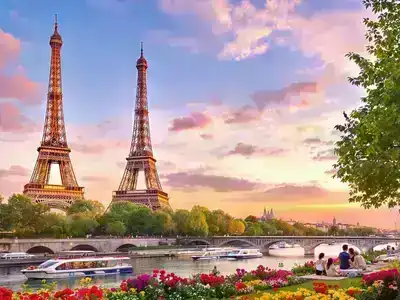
point(243, 98)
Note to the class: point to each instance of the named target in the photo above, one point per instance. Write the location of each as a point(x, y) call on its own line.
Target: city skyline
point(256, 93)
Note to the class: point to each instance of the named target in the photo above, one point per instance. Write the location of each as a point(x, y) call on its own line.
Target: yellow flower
point(132, 290)
point(142, 293)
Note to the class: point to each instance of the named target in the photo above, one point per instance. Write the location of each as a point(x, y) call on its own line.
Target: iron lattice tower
point(141, 157)
point(54, 148)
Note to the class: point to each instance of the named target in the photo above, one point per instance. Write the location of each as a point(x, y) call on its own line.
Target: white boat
point(79, 267)
point(282, 245)
point(214, 253)
point(245, 254)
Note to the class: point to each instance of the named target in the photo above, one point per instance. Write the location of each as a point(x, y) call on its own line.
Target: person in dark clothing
point(344, 258)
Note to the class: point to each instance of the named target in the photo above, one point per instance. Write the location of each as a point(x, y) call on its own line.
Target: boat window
point(83, 265)
point(47, 264)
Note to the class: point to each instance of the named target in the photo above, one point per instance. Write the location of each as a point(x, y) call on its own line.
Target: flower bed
point(162, 285)
point(306, 269)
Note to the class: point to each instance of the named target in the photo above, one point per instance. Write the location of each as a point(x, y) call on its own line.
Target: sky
point(243, 98)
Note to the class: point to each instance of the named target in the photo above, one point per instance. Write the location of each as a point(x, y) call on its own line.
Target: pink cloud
point(16, 86)
point(206, 136)
point(97, 147)
point(290, 190)
point(325, 155)
point(10, 48)
point(196, 120)
point(244, 28)
point(12, 120)
point(185, 180)
point(14, 170)
point(245, 114)
point(251, 150)
point(20, 87)
point(292, 95)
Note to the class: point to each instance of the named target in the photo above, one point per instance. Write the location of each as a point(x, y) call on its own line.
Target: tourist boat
point(214, 253)
point(79, 267)
point(282, 245)
point(245, 254)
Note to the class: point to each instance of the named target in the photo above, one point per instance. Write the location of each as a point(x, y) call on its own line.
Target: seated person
point(359, 262)
point(331, 269)
point(320, 265)
point(344, 258)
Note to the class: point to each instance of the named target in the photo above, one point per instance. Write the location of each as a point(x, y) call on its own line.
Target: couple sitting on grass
point(349, 259)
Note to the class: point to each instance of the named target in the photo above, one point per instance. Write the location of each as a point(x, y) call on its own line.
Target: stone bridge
point(52, 246)
point(308, 243)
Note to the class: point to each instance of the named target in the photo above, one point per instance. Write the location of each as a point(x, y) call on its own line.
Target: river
point(12, 278)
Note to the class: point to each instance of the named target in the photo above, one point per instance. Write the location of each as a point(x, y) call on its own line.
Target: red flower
point(240, 286)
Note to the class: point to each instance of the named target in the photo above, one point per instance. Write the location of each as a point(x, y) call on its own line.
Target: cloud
point(245, 29)
point(10, 48)
point(185, 180)
point(296, 94)
point(14, 170)
point(245, 114)
point(12, 120)
point(330, 172)
point(15, 86)
point(205, 136)
point(20, 87)
point(325, 155)
point(251, 150)
point(196, 120)
point(298, 191)
point(317, 141)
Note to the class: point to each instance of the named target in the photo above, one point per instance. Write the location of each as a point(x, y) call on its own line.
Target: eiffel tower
point(54, 148)
point(141, 157)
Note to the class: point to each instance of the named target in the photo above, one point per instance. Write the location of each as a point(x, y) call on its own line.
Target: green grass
point(343, 284)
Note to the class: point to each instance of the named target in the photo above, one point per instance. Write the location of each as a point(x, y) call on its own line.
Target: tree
point(140, 221)
point(81, 225)
point(163, 223)
point(6, 221)
point(369, 147)
point(236, 227)
point(251, 219)
point(254, 229)
point(90, 208)
point(197, 223)
point(27, 217)
point(55, 225)
point(116, 228)
point(181, 218)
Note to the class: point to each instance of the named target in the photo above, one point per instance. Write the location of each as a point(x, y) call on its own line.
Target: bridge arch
point(84, 247)
point(237, 242)
point(199, 242)
point(125, 247)
point(40, 250)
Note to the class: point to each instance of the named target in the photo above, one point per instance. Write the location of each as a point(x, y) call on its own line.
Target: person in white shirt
point(320, 265)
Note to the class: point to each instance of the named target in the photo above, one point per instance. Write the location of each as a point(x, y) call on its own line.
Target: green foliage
point(369, 146)
point(87, 208)
point(80, 225)
point(197, 223)
point(116, 228)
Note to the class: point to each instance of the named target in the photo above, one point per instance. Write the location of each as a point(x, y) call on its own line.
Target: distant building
point(267, 216)
point(334, 221)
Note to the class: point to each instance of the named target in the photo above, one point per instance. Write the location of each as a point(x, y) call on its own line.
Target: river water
point(12, 278)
